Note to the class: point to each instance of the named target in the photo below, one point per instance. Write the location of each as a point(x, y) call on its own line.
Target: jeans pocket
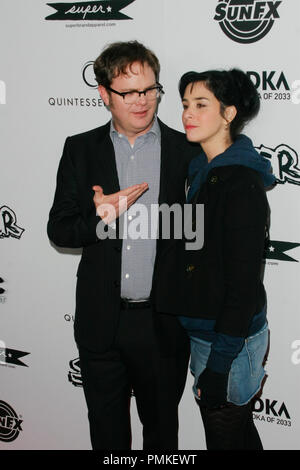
point(256, 348)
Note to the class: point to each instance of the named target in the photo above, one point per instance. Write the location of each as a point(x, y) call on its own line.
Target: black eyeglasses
point(131, 97)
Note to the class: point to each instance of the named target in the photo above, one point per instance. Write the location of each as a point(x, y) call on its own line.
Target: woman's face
point(201, 115)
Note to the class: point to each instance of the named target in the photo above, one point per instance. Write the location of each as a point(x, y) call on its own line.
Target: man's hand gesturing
point(109, 207)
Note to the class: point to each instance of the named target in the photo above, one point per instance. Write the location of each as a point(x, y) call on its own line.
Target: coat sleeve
point(245, 220)
point(71, 223)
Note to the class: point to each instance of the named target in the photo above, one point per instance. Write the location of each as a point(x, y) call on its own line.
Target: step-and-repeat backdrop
point(48, 92)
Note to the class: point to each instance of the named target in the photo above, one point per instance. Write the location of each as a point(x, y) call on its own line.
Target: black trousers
point(135, 362)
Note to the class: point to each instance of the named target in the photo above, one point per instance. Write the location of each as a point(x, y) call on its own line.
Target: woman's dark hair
point(232, 87)
point(118, 56)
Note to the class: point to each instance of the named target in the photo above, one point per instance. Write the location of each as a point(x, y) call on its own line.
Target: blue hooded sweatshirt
point(241, 152)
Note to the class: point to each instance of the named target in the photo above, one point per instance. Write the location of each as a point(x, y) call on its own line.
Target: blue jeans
point(246, 373)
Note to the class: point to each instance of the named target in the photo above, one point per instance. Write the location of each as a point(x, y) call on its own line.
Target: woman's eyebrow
point(196, 98)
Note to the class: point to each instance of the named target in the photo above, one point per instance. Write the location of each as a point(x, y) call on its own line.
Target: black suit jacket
point(88, 159)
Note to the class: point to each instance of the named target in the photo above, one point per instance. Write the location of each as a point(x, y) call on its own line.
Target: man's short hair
point(118, 56)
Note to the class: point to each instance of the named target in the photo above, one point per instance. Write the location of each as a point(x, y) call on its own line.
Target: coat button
point(213, 179)
point(190, 268)
point(117, 283)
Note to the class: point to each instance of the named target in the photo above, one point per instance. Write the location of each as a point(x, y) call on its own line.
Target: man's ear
point(104, 94)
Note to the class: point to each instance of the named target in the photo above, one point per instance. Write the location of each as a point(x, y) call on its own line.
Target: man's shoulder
point(91, 134)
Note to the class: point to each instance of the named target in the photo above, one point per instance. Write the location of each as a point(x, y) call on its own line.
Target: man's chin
point(143, 122)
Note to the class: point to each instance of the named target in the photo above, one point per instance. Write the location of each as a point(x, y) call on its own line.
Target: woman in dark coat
point(217, 290)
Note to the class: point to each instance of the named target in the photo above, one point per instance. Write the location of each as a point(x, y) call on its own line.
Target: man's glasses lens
point(131, 97)
point(150, 94)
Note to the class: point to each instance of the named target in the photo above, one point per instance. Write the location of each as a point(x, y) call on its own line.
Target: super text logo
point(74, 375)
point(284, 163)
point(8, 224)
point(89, 11)
point(10, 423)
point(246, 21)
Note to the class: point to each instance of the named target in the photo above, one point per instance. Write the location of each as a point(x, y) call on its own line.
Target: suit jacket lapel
point(104, 157)
point(165, 164)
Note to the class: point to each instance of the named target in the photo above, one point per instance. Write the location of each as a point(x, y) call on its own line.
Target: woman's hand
point(212, 388)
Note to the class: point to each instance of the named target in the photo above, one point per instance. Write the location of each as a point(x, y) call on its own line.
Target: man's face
point(134, 119)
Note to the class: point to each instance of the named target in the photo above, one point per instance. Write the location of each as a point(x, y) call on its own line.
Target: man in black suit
point(123, 344)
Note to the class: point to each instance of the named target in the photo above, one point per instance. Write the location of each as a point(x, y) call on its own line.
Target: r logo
point(284, 163)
